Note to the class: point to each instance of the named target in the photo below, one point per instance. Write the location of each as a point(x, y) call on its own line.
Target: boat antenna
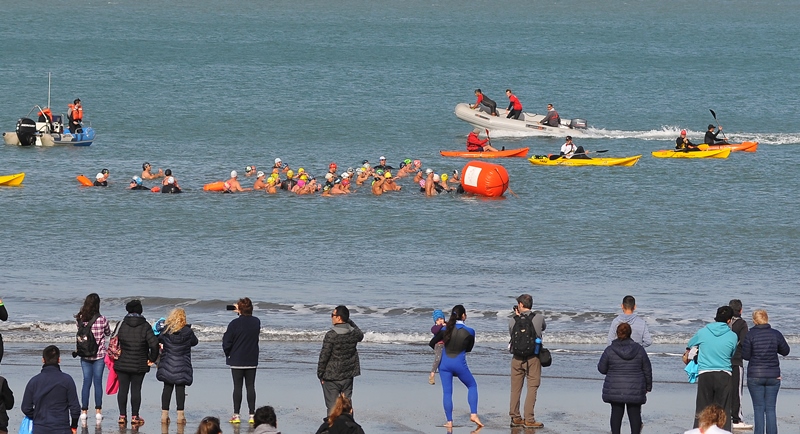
point(48, 89)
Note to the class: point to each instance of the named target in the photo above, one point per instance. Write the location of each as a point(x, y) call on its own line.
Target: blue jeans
point(92, 374)
point(764, 393)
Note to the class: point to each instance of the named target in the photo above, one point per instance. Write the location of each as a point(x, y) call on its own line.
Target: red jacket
point(474, 143)
point(514, 101)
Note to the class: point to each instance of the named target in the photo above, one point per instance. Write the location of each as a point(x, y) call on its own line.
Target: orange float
point(86, 182)
point(156, 189)
point(485, 179)
point(215, 186)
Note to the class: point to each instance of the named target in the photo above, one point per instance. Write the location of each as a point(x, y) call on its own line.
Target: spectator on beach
point(139, 351)
point(760, 348)
point(340, 419)
point(629, 377)
point(265, 421)
point(3, 317)
point(437, 344)
point(240, 344)
point(716, 344)
point(6, 403)
point(51, 398)
point(639, 332)
point(458, 341)
point(739, 326)
point(209, 425)
point(525, 366)
point(175, 366)
point(712, 419)
point(338, 360)
point(93, 366)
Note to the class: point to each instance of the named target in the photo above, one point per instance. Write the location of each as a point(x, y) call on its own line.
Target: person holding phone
point(240, 344)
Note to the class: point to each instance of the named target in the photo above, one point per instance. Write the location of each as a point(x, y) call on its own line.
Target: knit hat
point(134, 306)
point(438, 314)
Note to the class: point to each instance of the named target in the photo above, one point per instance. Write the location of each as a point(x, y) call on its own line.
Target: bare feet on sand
point(474, 418)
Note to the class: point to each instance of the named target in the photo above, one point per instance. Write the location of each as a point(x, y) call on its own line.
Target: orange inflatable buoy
point(215, 186)
point(156, 189)
point(485, 179)
point(86, 182)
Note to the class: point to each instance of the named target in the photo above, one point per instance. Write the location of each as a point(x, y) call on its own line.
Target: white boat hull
point(528, 123)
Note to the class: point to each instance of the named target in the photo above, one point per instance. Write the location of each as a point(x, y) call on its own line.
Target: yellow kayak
point(12, 180)
point(544, 160)
point(668, 153)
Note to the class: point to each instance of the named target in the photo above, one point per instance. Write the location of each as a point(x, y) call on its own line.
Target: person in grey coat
point(338, 360)
point(639, 332)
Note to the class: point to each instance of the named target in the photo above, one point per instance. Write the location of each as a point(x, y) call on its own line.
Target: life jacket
point(75, 112)
point(46, 113)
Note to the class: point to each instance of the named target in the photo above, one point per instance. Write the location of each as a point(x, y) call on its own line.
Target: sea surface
point(205, 87)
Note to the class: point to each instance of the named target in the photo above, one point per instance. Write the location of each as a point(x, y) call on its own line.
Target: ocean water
point(206, 87)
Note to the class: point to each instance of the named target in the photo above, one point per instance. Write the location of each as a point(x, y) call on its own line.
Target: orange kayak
point(735, 147)
point(519, 152)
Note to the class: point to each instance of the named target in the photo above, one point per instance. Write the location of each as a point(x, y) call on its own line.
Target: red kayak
point(735, 147)
point(519, 152)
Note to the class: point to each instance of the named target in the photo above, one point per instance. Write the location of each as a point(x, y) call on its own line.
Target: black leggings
point(248, 377)
point(132, 382)
point(180, 395)
point(634, 417)
point(514, 113)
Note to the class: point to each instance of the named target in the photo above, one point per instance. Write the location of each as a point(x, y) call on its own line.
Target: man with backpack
point(526, 329)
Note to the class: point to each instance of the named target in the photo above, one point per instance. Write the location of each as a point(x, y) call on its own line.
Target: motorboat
point(527, 123)
point(47, 131)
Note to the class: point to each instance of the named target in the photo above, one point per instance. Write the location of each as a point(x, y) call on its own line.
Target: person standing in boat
point(75, 116)
point(484, 100)
point(514, 106)
point(684, 144)
point(711, 136)
point(552, 119)
point(475, 144)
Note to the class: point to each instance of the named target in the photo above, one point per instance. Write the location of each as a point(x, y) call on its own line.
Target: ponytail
point(455, 315)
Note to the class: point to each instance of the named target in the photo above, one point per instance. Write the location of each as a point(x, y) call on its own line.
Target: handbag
point(26, 426)
point(114, 350)
point(545, 358)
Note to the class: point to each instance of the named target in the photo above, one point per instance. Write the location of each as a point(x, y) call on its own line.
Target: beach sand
point(389, 400)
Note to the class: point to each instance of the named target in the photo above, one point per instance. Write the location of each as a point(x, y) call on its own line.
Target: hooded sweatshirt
point(716, 343)
point(629, 375)
point(639, 332)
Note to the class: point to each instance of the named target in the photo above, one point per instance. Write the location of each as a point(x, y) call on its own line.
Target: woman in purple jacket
point(761, 347)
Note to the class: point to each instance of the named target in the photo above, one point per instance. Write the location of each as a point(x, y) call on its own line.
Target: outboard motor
point(578, 124)
point(26, 132)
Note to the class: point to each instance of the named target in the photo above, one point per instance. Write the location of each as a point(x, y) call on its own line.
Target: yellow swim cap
point(300, 170)
point(387, 175)
point(304, 177)
point(444, 177)
point(290, 174)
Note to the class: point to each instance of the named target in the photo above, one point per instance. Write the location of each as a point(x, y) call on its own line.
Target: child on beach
point(438, 325)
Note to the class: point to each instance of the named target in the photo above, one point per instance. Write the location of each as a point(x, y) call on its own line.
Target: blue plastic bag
point(26, 426)
point(691, 371)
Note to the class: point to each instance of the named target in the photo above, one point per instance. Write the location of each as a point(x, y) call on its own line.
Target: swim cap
point(290, 174)
point(304, 177)
point(683, 132)
point(248, 169)
point(435, 178)
point(168, 172)
point(438, 314)
point(326, 188)
point(365, 162)
point(99, 176)
point(402, 164)
point(301, 183)
point(379, 172)
point(350, 170)
point(366, 166)
point(271, 180)
point(359, 171)
point(144, 165)
point(170, 180)
point(443, 177)
point(332, 166)
point(104, 171)
point(345, 175)
point(417, 162)
point(300, 170)
point(428, 171)
point(329, 175)
point(345, 181)
point(387, 174)
point(382, 158)
point(407, 161)
point(259, 174)
point(137, 180)
point(277, 160)
point(234, 174)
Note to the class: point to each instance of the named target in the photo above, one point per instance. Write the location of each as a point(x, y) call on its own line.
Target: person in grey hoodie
point(338, 360)
point(639, 332)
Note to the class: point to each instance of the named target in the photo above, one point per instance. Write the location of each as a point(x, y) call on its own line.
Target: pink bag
point(112, 385)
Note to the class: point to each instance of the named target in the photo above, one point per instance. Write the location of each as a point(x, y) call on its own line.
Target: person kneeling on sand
point(340, 420)
point(209, 425)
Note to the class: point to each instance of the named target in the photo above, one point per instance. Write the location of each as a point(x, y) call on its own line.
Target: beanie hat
point(134, 306)
point(438, 314)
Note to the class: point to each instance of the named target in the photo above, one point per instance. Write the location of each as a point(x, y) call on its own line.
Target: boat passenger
point(484, 100)
point(171, 186)
point(683, 144)
point(100, 180)
point(290, 182)
point(136, 184)
point(552, 119)
point(148, 174)
point(514, 106)
point(475, 144)
point(249, 171)
point(46, 115)
point(232, 185)
point(75, 116)
point(711, 136)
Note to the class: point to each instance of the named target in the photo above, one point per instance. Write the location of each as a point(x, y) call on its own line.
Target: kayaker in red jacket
point(475, 144)
point(514, 106)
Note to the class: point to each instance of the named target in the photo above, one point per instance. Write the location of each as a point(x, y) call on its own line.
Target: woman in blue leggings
point(458, 341)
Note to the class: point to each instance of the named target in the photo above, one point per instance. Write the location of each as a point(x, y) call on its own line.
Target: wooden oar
point(715, 118)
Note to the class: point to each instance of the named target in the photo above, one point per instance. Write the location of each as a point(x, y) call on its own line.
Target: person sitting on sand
point(340, 420)
point(232, 185)
point(486, 101)
point(261, 181)
point(711, 421)
point(148, 174)
point(552, 118)
point(475, 144)
point(684, 144)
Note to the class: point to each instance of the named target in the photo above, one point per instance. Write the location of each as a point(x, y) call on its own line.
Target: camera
point(230, 307)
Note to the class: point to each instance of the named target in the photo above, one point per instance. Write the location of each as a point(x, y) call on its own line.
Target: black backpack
point(85, 342)
point(523, 336)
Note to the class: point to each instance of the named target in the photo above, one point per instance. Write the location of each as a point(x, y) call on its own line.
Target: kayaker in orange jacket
point(475, 144)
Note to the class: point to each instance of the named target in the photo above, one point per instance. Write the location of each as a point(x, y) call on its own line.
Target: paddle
point(715, 118)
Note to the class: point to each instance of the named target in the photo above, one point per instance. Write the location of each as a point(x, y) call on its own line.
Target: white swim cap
point(170, 180)
point(234, 174)
point(99, 176)
point(277, 160)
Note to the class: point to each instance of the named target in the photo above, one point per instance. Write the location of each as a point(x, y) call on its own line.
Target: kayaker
point(484, 100)
point(552, 119)
point(475, 144)
point(147, 174)
point(711, 136)
point(514, 106)
point(570, 150)
point(684, 144)
point(136, 184)
point(232, 185)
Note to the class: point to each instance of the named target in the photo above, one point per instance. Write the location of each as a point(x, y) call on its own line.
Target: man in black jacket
point(739, 326)
point(338, 360)
point(51, 399)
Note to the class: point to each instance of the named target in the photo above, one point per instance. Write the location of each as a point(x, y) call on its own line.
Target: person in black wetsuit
point(170, 186)
point(136, 184)
point(101, 180)
point(382, 165)
point(486, 101)
point(683, 144)
point(711, 136)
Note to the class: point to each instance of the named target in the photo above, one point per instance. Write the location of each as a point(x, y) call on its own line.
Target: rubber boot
point(181, 417)
point(164, 416)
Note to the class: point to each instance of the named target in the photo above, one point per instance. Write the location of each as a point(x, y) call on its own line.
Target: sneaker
point(99, 417)
point(251, 421)
point(742, 425)
point(137, 421)
point(517, 421)
point(533, 424)
point(235, 419)
point(83, 417)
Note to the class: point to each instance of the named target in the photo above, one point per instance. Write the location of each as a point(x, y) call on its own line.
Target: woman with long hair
point(240, 344)
point(340, 420)
point(175, 367)
point(760, 348)
point(458, 341)
point(93, 366)
point(710, 421)
point(209, 425)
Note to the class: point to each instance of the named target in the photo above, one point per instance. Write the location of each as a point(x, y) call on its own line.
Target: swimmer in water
point(136, 184)
point(100, 180)
point(167, 174)
point(232, 185)
point(261, 181)
point(249, 171)
point(171, 185)
point(272, 187)
point(377, 185)
point(443, 182)
point(430, 189)
point(389, 184)
point(280, 165)
point(148, 174)
point(362, 175)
